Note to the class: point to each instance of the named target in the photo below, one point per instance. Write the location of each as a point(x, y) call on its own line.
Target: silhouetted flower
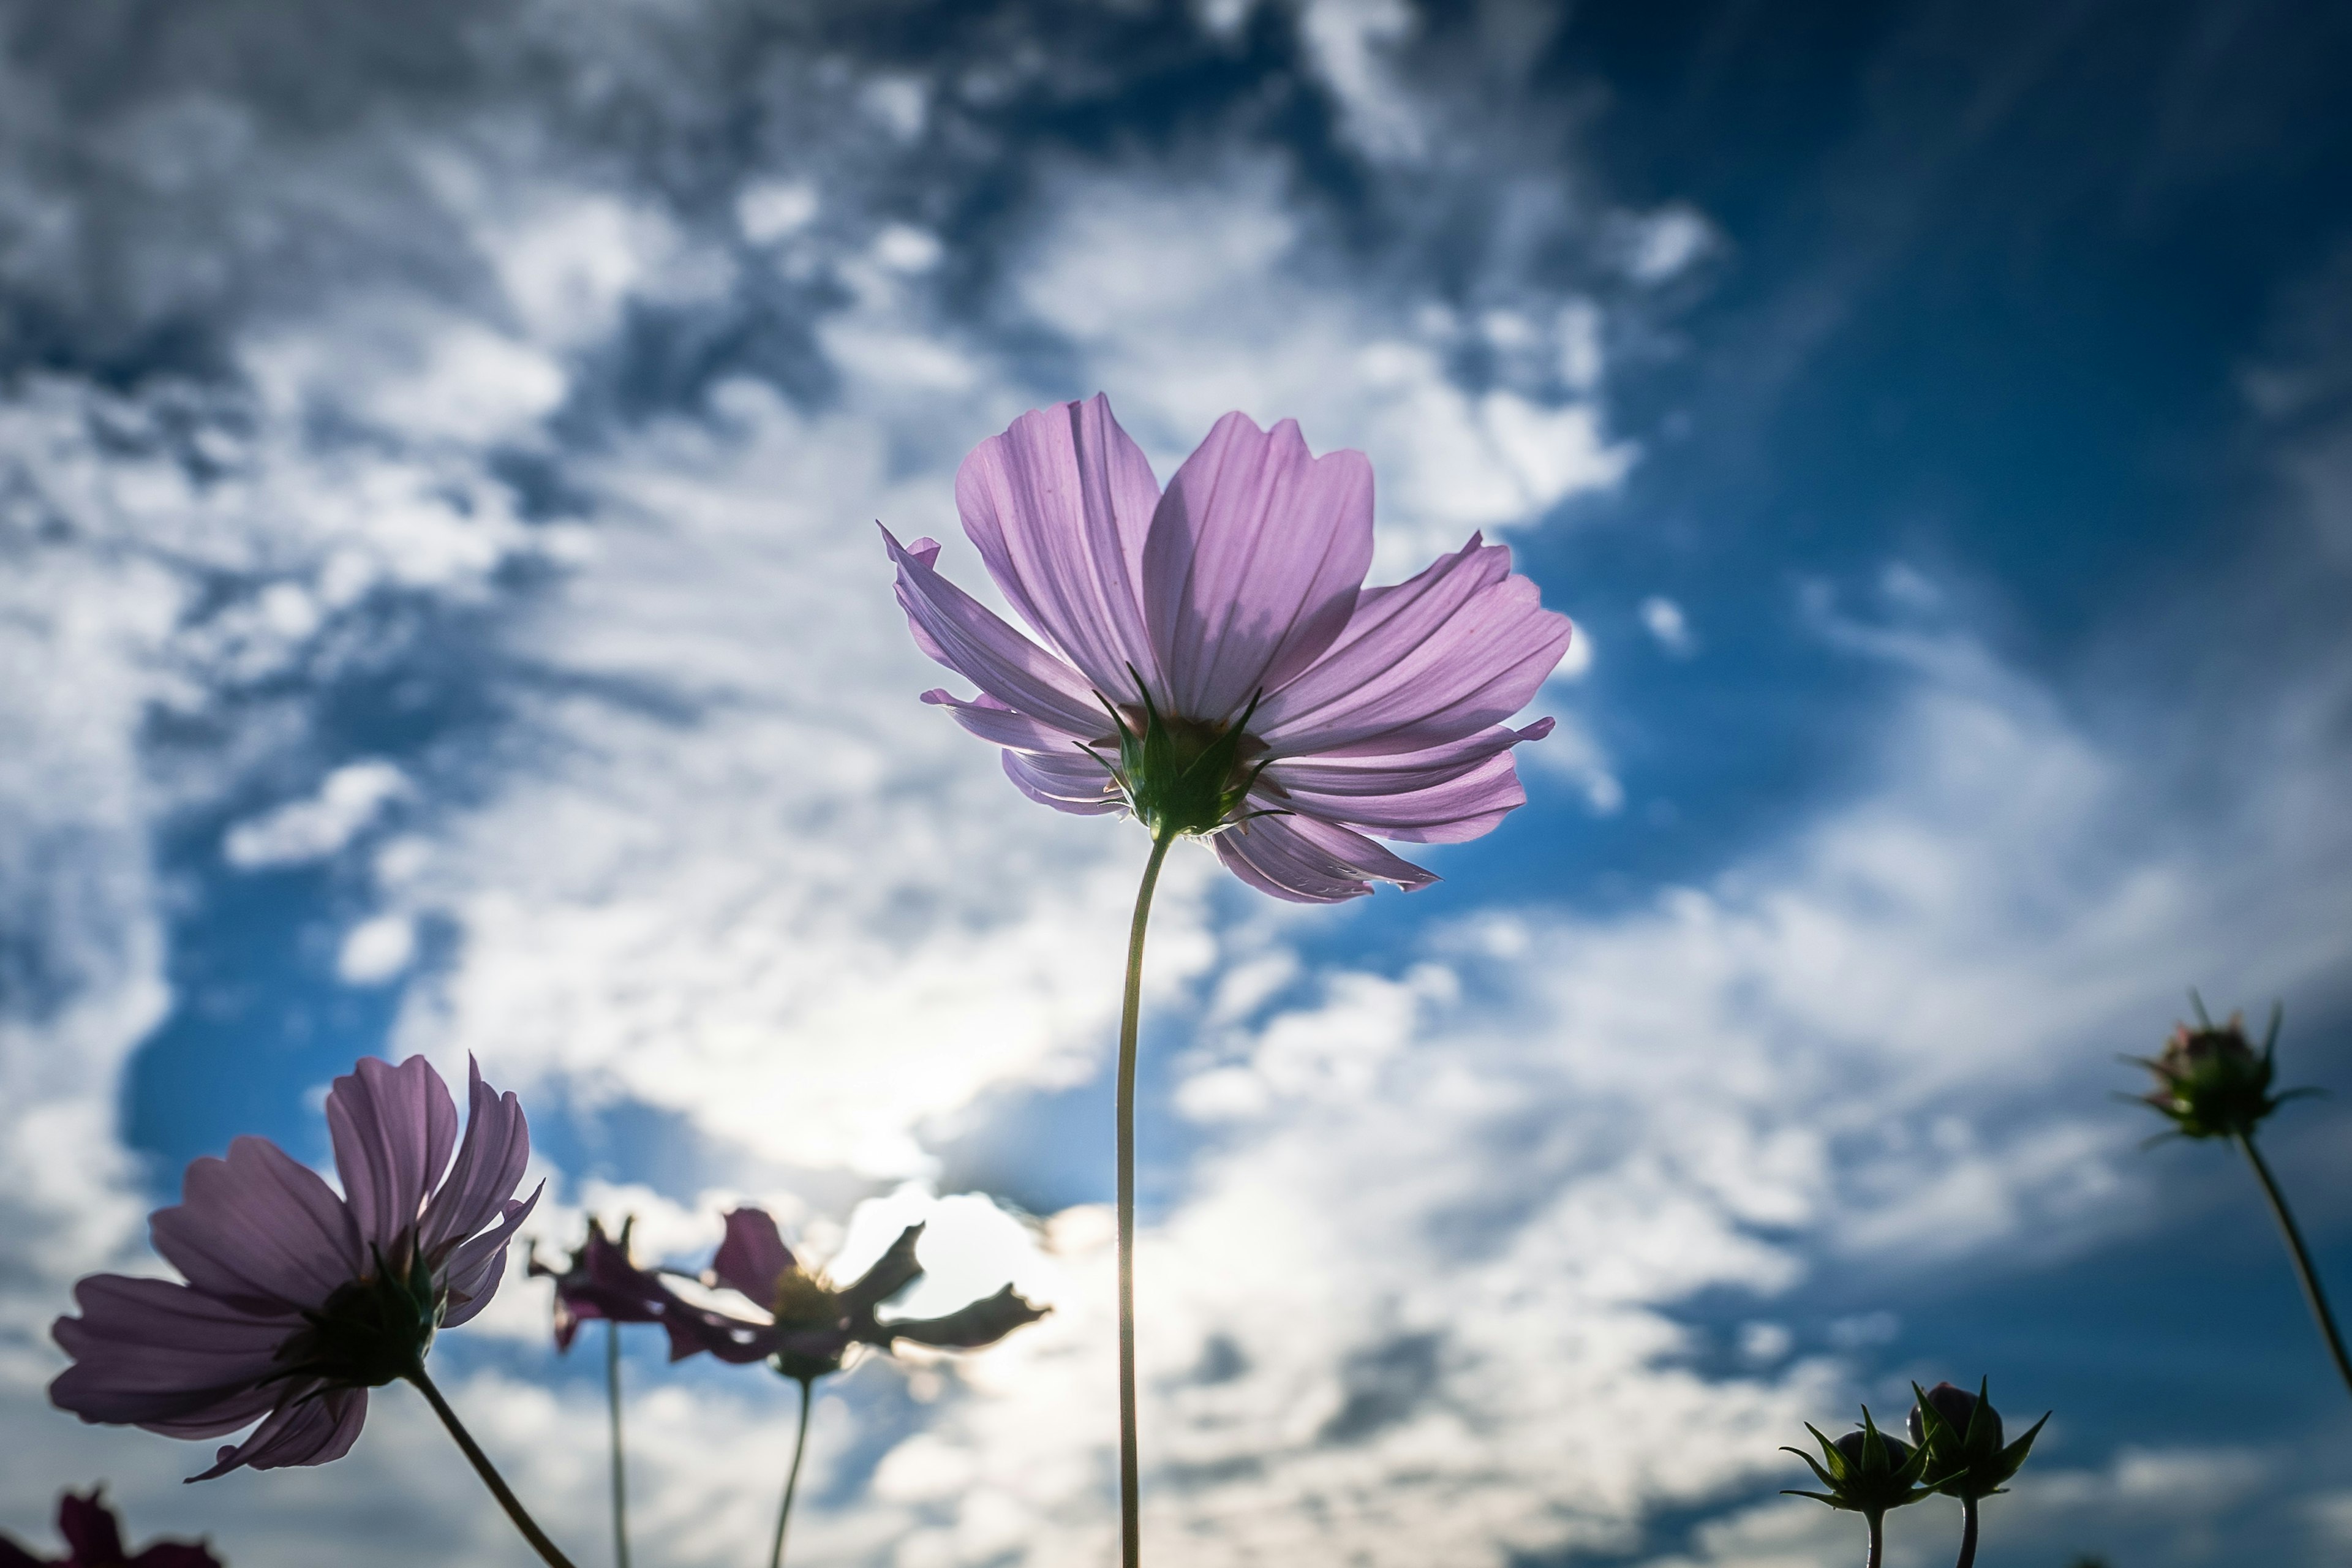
point(299, 1301)
point(94, 1540)
point(1211, 660)
point(2213, 1083)
point(1866, 1472)
point(600, 1282)
point(1960, 1432)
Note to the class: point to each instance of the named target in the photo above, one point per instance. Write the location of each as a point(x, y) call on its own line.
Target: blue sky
point(438, 458)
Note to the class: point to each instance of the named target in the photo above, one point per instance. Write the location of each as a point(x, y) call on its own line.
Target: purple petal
point(91, 1530)
point(983, 1323)
point(993, 721)
point(476, 1267)
point(15, 1556)
point(1447, 800)
point(968, 637)
point(752, 1257)
point(1076, 782)
point(174, 1554)
point(1310, 862)
point(891, 1273)
point(316, 1426)
point(259, 1225)
point(1059, 507)
point(393, 1128)
point(490, 1167)
point(1459, 648)
point(155, 1353)
point(1255, 555)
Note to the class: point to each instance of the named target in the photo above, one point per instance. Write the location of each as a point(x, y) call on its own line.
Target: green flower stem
point(1877, 1522)
point(792, 1476)
point(1967, 1534)
point(620, 1470)
point(487, 1471)
point(2308, 1276)
point(1130, 1521)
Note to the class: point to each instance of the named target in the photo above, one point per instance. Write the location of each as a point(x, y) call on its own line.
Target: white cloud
point(1664, 619)
point(347, 804)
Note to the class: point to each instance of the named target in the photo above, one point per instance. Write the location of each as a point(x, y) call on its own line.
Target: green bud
point(2211, 1082)
point(1960, 1432)
point(1866, 1472)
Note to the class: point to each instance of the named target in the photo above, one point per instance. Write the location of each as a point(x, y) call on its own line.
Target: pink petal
point(964, 635)
point(490, 1167)
point(476, 1267)
point(753, 1256)
point(1446, 795)
point(1255, 555)
point(1387, 773)
point(1305, 861)
point(1459, 648)
point(1059, 506)
point(316, 1426)
point(393, 1129)
point(1076, 782)
point(258, 1226)
point(993, 721)
point(159, 1354)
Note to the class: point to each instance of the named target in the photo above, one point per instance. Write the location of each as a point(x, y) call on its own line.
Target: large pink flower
point(299, 1301)
point(1211, 659)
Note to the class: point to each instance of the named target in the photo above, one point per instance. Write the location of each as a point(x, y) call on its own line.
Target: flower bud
point(1960, 1434)
point(2211, 1082)
point(1866, 1472)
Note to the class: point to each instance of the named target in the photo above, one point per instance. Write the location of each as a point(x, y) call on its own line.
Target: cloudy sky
point(440, 611)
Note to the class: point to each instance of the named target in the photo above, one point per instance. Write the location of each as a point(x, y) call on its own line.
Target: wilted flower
point(1211, 660)
point(1866, 1472)
point(809, 1323)
point(297, 1301)
point(600, 1282)
point(2211, 1082)
point(1960, 1432)
point(94, 1540)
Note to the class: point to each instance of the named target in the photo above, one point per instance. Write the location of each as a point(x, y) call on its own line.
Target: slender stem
point(487, 1471)
point(1877, 1522)
point(2302, 1269)
point(792, 1476)
point(1967, 1534)
point(1130, 1517)
point(620, 1470)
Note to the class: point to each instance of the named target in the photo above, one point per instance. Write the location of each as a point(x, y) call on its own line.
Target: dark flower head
point(1866, 1472)
point(2213, 1083)
point(94, 1540)
point(600, 1282)
point(1960, 1433)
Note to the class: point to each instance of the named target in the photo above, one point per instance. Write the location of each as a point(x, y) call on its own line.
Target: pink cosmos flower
point(297, 1301)
point(1211, 660)
point(94, 1540)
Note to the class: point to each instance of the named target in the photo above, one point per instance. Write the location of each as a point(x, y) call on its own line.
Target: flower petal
point(983, 1323)
point(490, 1167)
point(892, 1273)
point(259, 1227)
point(1059, 507)
point(1255, 555)
point(752, 1257)
point(476, 1269)
point(1077, 782)
point(90, 1529)
point(1445, 801)
point(156, 1353)
point(993, 721)
point(1307, 861)
point(964, 635)
point(393, 1129)
point(316, 1426)
point(1460, 646)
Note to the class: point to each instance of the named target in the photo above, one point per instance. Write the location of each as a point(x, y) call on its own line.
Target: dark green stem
point(620, 1470)
point(1130, 1517)
point(2302, 1269)
point(488, 1472)
point(1877, 1522)
point(792, 1476)
point(1967, 1534)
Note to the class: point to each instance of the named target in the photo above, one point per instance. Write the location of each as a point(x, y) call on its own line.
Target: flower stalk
point(1130, 1522)
point(2305, 1273)
point(792, 1476)
point(531, 1533)
point(620, 1468)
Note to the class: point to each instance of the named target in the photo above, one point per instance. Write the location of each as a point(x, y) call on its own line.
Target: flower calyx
point(2212, 1081)
point(371, 1332)
point(1960, 1433)
point(1181, 775)
point(1865, 1472)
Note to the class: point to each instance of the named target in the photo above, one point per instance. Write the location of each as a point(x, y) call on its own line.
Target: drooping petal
point(393, 1129)
point(1254, 558)
point(993, 721)
point(752, 1257)
point(1059, 506)
point(1459, 648)
point(1308, 861)
point(1448, 803)
point(316, 1426)
point(892, 1273)
point(1076, 782)
point(156, 1353)
point(259, 1227)
point(490, 1167)
point(476, 1267)
point(983, 1323)
point(964, 635)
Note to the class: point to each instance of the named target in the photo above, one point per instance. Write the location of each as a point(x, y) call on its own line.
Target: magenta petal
point(476, 1269)
point(993, 721)
point(490, 1167)
point(259, 1225)
point(316, 1426)
point(1460, 646)
point(1059, 507)
point(752, 1257)
point(964, 635)
point(1255, 555)
point(1310, 862)
point(1076, 782)
point(393, 1129)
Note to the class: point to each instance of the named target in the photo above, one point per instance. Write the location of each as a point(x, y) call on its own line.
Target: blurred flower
point(94, 1540)
point(1212, 662)
point(2211, 1082)
point(1866, 1472)
point(600, 1282)
point(808, 1323)
point(297, 1301)
point(1961, 1434)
